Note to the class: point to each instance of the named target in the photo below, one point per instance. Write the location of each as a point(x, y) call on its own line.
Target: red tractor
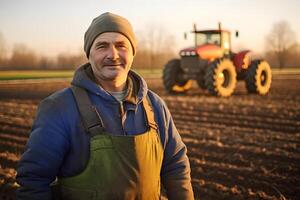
point(215, 67)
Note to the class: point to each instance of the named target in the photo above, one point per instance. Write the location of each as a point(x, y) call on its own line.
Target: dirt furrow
point(13, 138)
point(272, 141)
point(244, 177)
point(236, 118)
point(14, 129)
point(289, 126)
point(16, 122)
point(11, 147)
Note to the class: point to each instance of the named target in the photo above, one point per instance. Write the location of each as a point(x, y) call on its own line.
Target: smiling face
point(111, 57)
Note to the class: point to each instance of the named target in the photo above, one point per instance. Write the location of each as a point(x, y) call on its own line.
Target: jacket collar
point(132, 92)
point(137, 87)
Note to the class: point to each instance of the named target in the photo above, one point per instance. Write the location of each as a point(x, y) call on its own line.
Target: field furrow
point(241, 147)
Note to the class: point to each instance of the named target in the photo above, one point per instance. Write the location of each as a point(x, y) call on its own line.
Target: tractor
point(212, 64)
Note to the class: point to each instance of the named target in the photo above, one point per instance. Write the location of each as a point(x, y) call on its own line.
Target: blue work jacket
point(58, 145)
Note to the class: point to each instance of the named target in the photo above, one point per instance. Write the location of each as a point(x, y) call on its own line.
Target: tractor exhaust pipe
point(220, 31)
point(195, 30)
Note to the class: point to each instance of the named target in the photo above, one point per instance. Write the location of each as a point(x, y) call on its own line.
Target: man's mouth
point(113, 66)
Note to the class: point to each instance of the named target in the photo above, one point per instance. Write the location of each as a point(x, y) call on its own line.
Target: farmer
point(107, 136)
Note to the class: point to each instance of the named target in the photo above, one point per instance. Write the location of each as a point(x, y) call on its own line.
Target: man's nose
point(113, 52)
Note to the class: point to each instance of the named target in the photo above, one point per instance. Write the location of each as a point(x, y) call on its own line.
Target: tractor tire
point(173, 78)
point(258, 77)
point(220, 77)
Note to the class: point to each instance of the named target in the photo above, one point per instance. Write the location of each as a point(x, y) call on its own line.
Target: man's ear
point(136, 49)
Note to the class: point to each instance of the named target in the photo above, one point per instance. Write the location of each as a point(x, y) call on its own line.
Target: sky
point(56, 26)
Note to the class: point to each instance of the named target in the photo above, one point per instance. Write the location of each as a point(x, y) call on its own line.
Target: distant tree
point(45, 63)
point(69, 61)
point(2, 51)
point(155, 48)
point(294, 55)
point(279, 42)
point(23, 58)
point(155, 43)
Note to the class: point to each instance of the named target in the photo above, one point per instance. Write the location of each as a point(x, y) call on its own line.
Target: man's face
point(111, 56)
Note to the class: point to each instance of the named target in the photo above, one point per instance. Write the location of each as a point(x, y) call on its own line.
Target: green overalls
point(120, 167)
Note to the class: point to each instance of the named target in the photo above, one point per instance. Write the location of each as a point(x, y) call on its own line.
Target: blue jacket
point(59, 147)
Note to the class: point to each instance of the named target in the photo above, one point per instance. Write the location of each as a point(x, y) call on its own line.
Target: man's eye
point(123, 46)
point(100, 46)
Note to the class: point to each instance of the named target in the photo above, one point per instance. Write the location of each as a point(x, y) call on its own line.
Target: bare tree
point(2, 50)
point(45, 63)
point(23, 57)
point(155, 47)
point(155, 37)
point(294, 55)
point(279, 41)
point(69, 61)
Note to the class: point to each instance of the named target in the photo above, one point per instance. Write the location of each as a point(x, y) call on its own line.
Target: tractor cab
point(220, 38)
point(209, 44)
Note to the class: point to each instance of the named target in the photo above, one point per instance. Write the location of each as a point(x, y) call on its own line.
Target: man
point(107, 136)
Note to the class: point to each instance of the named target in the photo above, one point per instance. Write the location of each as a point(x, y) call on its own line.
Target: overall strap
point(149, 112)
point(90, 117)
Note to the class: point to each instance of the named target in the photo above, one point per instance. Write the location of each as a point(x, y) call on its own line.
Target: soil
point(242, 147)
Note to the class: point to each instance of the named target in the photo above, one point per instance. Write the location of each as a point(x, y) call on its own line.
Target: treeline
point(154, 50)
point(289, 58)
point(282, 47)
point(23, 58)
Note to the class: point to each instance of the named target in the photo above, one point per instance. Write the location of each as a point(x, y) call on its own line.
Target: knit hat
point(108, 22)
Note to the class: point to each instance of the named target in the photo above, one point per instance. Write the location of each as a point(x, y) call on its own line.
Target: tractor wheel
point(258, 77)
point(173, 78)
point(220, 78)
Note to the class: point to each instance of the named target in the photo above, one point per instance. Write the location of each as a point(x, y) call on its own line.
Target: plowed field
point(241, 147)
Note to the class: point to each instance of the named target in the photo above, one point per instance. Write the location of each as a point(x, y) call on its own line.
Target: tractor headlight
point(226, 45)
point(188, 53)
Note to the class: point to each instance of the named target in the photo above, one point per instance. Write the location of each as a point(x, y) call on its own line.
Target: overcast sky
point(52, 27)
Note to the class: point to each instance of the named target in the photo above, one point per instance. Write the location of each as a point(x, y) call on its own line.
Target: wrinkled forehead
point(112, 37)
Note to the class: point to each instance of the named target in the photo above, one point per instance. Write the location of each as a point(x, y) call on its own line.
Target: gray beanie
point(108, 22)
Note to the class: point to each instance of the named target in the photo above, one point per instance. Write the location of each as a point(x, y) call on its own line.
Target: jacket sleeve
point(44, 152)
point(175, 173)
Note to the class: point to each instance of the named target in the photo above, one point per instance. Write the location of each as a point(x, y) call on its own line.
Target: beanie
point(108, 22)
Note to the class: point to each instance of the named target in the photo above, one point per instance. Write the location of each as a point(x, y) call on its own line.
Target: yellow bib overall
point(119, 167)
